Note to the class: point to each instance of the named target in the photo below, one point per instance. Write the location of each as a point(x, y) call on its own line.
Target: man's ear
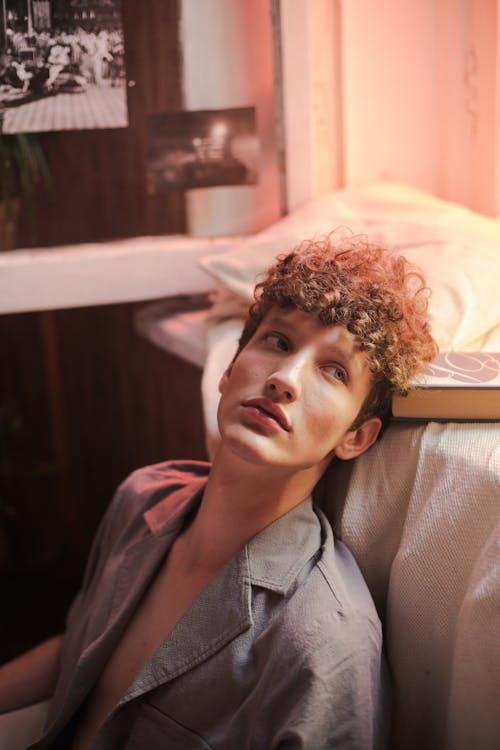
point(358, 441)
point(225, 378)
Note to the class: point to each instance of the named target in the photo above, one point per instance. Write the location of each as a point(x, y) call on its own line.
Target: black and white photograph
point(202, 148)
point(61, 65)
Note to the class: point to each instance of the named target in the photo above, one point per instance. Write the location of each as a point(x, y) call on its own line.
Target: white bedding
point(459, 252)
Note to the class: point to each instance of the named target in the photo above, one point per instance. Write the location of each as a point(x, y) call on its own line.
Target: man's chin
point(254, 454)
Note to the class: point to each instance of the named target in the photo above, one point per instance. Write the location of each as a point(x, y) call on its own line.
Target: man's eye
point(337, 373)
point(277, 341)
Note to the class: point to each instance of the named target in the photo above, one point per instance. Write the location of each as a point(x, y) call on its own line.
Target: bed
point(420, 510)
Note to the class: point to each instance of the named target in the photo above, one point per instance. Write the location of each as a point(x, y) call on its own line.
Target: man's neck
point(239, 500)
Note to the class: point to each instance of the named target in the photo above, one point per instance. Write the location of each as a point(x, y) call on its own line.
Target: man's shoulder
point(327, 605)
point(328, 625)
point(343, 576)
point(332, 603)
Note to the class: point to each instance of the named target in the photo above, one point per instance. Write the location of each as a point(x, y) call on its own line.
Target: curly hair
point(379, 297)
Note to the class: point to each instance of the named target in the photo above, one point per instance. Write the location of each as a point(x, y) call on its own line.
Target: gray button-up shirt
point(282, 649)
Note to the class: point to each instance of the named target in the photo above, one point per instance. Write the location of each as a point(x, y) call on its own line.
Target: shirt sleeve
point(96, 557)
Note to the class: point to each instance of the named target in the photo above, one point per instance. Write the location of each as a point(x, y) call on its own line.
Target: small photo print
point(203, 148)
point(61, 65)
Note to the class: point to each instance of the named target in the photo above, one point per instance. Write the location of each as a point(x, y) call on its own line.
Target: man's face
point(293, 392)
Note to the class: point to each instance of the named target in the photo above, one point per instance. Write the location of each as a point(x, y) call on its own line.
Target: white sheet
point(182, 333)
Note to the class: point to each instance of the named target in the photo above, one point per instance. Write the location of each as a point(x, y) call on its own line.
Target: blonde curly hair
point(378, 296)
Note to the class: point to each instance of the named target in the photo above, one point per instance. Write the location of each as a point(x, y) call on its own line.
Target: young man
point(217, 610)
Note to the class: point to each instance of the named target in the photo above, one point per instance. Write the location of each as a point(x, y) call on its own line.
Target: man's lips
point(270, 409)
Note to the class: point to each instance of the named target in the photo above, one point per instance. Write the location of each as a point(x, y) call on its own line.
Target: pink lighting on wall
point(407, 91)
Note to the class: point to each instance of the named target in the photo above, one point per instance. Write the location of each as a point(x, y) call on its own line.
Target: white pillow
point(465, 302)
point(439, 237)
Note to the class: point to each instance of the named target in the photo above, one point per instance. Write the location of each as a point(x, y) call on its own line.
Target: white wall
point(227, 50)
point(389, 62)
point(312, 99)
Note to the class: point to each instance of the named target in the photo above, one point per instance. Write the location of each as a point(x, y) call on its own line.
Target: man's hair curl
point(379, 297)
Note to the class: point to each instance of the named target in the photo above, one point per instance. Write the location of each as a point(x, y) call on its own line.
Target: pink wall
point(421, 84)
point(415, 89)
point(390, 91)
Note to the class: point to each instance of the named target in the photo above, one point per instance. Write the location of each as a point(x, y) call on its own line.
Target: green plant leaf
point(22, 167)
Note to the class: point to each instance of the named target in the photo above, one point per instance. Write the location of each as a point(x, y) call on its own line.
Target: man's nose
point(284, 384)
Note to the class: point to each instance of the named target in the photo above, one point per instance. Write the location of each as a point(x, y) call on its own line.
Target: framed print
point(62, 65)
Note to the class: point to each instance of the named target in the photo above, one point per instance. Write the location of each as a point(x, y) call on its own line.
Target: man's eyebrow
point(277, 320)
point(346, 351)
point(344, 354)
point(343, 349)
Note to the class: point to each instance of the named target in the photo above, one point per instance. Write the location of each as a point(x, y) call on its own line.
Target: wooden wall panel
point(28, 482)
point(97, 400)
point(86, 379)
point(127, 404)
point(98, 176)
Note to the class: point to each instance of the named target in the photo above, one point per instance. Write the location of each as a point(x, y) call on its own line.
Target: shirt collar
point(171, 513)
point(279, 552)
point(275, 554)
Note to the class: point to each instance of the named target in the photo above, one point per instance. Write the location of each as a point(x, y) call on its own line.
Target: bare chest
point(168, 597)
